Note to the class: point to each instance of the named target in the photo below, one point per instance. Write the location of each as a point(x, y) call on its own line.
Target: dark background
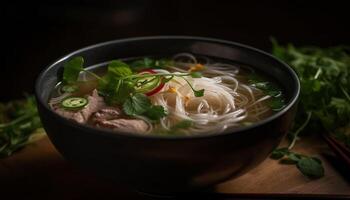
point(35, 34)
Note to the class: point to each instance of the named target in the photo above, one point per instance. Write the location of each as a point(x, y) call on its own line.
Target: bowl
point(164, 165)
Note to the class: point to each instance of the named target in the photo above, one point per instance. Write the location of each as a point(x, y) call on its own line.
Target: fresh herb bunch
point(19, 125)
point(324, 99)
point(119, 85)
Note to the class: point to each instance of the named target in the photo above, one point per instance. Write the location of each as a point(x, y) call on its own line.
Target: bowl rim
point(113, 133)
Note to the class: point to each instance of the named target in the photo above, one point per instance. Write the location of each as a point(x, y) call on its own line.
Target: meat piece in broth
point(107, 113)
point(82, 116)
point(126, 125)
point(110, 118)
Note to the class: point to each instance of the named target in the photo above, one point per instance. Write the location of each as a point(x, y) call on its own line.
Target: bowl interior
point(170, 45)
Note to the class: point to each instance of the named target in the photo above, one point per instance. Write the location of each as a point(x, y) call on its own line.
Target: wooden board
point(39, 172)
point(272, 177)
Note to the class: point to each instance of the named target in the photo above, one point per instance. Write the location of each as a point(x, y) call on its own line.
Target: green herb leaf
point(156, 112)
point(311, 167)
point(198, 93)
point(113, 86)
point(136, 104)
point(276, 103)
point(118, 68)
point(115, 90)
point(139, 104)
point(72, 68)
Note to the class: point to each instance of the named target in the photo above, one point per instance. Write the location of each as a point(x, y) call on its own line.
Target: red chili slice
point(156, 89)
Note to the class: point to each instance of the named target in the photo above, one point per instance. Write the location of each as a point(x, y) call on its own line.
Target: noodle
point(228, 100)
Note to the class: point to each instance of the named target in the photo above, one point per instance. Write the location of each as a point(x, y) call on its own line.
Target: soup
point(184, 94)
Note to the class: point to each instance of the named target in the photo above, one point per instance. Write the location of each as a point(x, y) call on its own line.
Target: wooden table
point(39, 172)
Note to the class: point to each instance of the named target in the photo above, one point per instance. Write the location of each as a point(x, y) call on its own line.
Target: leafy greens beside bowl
point(324, 104)
point(19, 125)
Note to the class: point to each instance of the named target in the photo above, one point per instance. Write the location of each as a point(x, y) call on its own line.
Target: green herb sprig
point(324, 105)
point(19, 125)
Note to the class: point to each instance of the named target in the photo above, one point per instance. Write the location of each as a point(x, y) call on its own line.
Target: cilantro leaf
point(276, 103)
point(118, 68)
point(156, 112)
point(136, 104)
point(113, 87)
point(198, 93)
point(139, 104)
point(311, 167)
point(72, 68)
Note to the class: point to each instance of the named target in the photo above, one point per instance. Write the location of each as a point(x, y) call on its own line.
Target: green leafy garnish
point(156, 112)
point(276, 102)
point(324, 76)
point(19, 125)
point(113, 87)
point(139, 104)
point(72, 68)
point(324, 105)
point(136, 104)
point(310, 167)
point(118, 68)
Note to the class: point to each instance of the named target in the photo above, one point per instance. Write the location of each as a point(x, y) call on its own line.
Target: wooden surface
point(39, 172)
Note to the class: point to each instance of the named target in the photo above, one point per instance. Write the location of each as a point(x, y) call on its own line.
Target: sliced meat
point(104, 114)
point(128, 125)
point(81, 116)
point(111, 118)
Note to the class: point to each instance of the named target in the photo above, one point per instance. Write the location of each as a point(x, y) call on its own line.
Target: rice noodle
point(227, 102)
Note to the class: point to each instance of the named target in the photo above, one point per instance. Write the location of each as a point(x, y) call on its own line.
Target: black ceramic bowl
point(161, 164)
